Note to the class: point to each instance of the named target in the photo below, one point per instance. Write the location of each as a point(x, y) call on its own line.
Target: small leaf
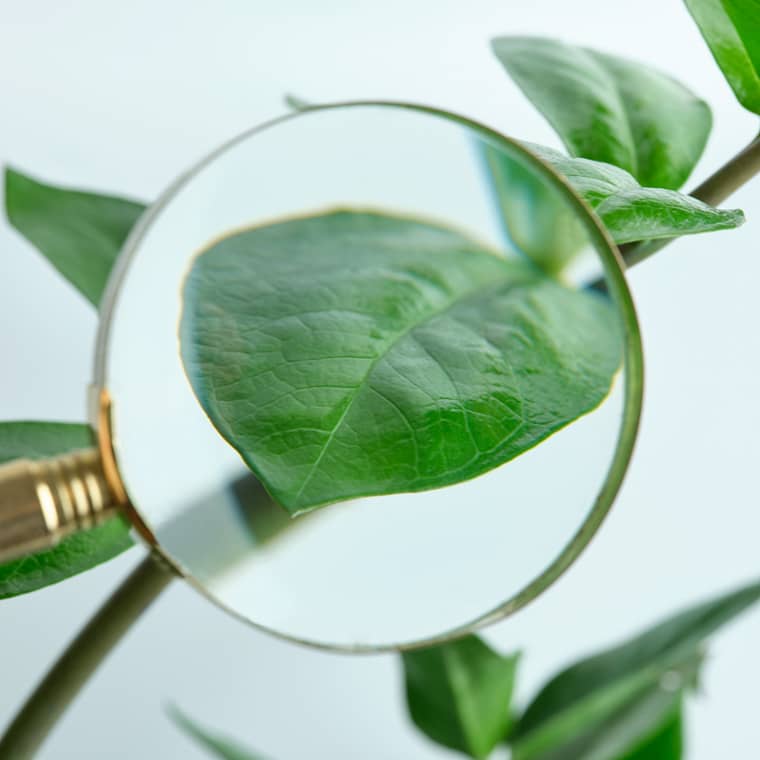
point(218, 746)
point(79, 233)
point(356, 353)
point(631, 212)
point(296, 103)
point(611, 109)
point(731, 29)
point(75, 554)
point(459, 694)
point(590, 691)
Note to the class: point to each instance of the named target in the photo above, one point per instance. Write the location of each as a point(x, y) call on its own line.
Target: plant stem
point(714, 190)
point(81, 659)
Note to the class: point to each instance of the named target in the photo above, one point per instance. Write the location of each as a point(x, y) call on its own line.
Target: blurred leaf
point(611, 109)
point(731, 29)
point(665, 744)
point(77, 553)
point(589, 693)
point(459, 694)
point(218, 746)
point(354, 354)
point(537, 220)
point(606, 727)
point(296, 103)
point(79, 233)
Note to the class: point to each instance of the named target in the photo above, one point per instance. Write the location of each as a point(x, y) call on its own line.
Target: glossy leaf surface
point(459, 694)
point(80, 552)
point(611, 109)
point(357, 353)
point(544, 228)
point(631, 212)
point(79, 233)
point(731, 29)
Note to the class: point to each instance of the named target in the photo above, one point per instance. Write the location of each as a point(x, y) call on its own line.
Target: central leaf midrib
point(504, 279)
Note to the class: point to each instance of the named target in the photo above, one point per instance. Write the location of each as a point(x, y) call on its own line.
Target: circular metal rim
point(633, 364)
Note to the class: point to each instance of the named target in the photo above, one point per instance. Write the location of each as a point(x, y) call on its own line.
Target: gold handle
point(42, 502)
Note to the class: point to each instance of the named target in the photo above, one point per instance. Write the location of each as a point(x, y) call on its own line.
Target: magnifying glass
point(353, 381)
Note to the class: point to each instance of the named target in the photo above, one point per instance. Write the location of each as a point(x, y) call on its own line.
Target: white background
point(121, 97)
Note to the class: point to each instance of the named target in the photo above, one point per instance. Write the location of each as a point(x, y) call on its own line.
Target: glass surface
point(372, 572)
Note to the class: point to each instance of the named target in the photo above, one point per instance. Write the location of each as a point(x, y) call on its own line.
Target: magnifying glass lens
point(364, 389)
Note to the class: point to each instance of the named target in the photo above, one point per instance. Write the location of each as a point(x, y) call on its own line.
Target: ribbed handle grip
point(43, 501)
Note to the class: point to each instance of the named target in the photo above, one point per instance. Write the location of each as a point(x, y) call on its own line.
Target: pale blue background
point(123, 96)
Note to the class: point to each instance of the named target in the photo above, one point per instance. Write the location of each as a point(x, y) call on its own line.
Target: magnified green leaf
point(731, 29)
point(583, 700)
point(73, 555)
point(79, 233)
point(611, 109)
point(357, 353)
point(631, 212)
point(459, 694)
point(218, 746)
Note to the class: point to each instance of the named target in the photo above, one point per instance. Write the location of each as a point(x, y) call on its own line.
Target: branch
point(81, 659)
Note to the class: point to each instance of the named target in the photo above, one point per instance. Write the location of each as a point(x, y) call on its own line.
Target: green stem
point(714, 190)
point(81, 659)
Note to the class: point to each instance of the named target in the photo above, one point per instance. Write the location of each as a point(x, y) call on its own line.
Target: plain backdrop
point(120, 97)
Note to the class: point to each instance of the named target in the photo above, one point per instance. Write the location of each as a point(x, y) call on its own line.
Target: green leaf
point(356, 353)
point(75, 554)
point(537, 221)
point(585, 698)
point(218, 746)
point(731, 29)
point(606, 728)
point(545, 230)
point(631, 212)
point(79, 233)
point(459, 694)
point(665, 744)
point(611, 109)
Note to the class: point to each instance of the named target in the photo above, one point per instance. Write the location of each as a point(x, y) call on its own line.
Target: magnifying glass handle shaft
point(43, 501)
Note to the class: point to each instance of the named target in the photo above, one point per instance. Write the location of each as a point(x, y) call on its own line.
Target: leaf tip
point(296, 103)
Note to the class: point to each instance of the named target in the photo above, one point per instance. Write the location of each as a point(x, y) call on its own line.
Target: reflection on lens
point(362, 392)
